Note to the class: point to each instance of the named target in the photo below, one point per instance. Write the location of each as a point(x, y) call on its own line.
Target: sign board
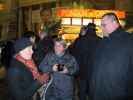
point(90, 13)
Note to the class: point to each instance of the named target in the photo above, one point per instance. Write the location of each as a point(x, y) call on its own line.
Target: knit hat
point(21, 44)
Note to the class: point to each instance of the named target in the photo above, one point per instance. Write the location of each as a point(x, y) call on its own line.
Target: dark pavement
point(3, 90)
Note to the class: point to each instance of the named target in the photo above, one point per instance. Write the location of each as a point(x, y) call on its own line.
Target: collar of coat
point(117, 33)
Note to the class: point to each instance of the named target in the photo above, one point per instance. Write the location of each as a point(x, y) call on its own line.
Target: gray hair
point(61, 41)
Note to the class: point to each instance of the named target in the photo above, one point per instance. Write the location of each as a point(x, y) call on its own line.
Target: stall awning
point(90, 13)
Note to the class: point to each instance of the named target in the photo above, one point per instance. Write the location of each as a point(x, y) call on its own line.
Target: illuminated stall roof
point(76, 21)
point(86, 21)
point(97, 22)
point(90, 13)
point(66, 21)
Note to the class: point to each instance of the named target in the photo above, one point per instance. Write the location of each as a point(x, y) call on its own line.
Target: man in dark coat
point(112, 76)
point(44, 46)
point(83, 50)
point(7, 53)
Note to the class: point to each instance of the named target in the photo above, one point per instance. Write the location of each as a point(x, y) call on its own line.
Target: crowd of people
point(48, 69)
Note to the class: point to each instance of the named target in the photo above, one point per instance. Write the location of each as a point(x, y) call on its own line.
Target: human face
point(32, 39)
point(59, 48)
point(27, 53)
point(83, 32)
point(107, 26)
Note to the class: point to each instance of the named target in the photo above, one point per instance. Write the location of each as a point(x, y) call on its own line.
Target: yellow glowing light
point(91, 13)
point(66, 21)
point(97, 22)
point(2, 6)
point(71, 29)
point(69, 36)
point(86, 21)
point(122, 22)
point(76, 21)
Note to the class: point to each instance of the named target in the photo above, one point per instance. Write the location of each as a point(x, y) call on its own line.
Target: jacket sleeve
point(45, 65)
point(38, 54)
point(72, 66)
point(15, 82)
point(130, 73)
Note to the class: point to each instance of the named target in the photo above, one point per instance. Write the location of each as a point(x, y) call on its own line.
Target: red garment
point(30, 65)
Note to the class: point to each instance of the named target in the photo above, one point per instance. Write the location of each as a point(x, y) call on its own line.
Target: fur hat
point(21, 44)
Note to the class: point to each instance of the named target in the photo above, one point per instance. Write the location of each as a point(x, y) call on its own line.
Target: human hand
point(55, 67)
point(65, 70)
point(43, 78)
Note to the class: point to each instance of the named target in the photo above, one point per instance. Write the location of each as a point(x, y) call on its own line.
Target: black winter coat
point(42, 48)
point(83, 50)
point(22, 86)
point(112, 77)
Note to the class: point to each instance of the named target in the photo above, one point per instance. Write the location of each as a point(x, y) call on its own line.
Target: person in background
point(46, 18)
point(62, 66)
point(31, 35)
point(45, 43)
point(88, 41)
point(111, 78)
point(22, 76)
point(73, 49)
point(44, 46)
point(7, 53)
point(50, 23)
